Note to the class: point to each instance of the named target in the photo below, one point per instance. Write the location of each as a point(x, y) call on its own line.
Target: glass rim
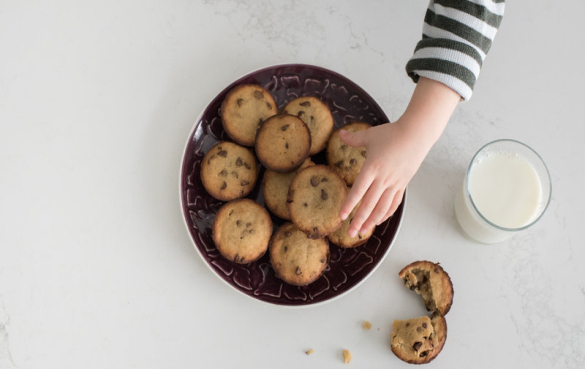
point(468, 193)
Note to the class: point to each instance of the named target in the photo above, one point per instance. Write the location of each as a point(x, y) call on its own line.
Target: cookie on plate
point(431, 282)
point(420, 340)
point(244, 109)
point(341, 236)
point(295, 258)
point(317, 117)
point(242, 230)
point(229, 171)
point(275, 189)
point(283, 143)
point(314, 200)
point(347, 161)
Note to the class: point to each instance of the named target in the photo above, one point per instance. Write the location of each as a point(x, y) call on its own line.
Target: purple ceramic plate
point(347, 267)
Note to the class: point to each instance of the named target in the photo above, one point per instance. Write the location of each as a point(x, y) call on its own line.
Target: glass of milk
point(506, 190)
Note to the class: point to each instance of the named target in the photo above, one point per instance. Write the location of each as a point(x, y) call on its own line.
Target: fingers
point(368, 204)
point(358, 190)
point(378, 215)
point(354, 139)
point(395, 203)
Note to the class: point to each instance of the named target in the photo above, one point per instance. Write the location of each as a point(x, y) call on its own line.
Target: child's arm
point(395, 152)
point(457, 35)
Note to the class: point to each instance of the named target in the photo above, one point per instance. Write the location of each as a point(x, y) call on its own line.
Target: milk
point(505, 189)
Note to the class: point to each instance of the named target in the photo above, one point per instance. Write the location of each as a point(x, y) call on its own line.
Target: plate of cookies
point(263, 178)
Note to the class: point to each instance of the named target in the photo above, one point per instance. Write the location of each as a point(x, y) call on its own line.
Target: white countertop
point(97, 270)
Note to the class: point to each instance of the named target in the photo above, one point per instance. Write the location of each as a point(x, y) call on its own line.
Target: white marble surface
point(96, 269)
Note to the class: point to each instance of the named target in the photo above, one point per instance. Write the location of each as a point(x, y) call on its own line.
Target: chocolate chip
point(436, 270)
point(364, 154)
point(298, 271)
point(353, 162)
point(359, 236)
point(305, 104)
point(339, 164)
point(242, 259)
point(248, 224)
point(424, 325)
point(300, 113)
point(258, 94)
point(322, 261)
point(260, 121)
point(223, 186)
point(235, 174)
point(315, 229)
point(418, 329)
point(239, 162)
point(287, 234)
point(252, 231)
point(314, 181)
point(343, 147)
point(324, 195)
point(236, 258)
point(416, 346)
point(285, 248)
point(239, 102)
point(230, 213)
point(244, 182)
point(247, 165)
point(423, 354)
point(284, 128)
point(286, 145)
point(305, 204)
point(222, 153)
point(407, 324)
point(223, 173)
point(312, 119)
point(238, 222)
point(269, 106)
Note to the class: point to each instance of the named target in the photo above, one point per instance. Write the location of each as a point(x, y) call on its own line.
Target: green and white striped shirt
point(457, 35)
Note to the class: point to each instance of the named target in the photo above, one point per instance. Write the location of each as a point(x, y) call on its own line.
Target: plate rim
point(183, 208)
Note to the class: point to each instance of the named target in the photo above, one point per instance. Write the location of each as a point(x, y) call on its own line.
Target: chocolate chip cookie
point(244, 109)
point(229, 171)
point(341, 236)
point(275, 187)
point(283, 143)
point(242, 230)
point(295, 258)
point(347, 161)
point(314, 200)
point(420, 340)
point(317, 117)
point(431, 282)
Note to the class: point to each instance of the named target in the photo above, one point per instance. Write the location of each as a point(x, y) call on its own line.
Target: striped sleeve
point(457, 35)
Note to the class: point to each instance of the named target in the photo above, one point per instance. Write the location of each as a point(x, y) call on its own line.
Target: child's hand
point(395, 151)
point(392, 161)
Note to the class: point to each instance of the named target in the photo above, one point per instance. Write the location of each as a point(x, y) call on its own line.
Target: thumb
point(354, 139)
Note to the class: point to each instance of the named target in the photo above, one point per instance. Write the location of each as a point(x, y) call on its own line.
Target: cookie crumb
point(367, 325)
point(309, 352)
point(346, 356)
